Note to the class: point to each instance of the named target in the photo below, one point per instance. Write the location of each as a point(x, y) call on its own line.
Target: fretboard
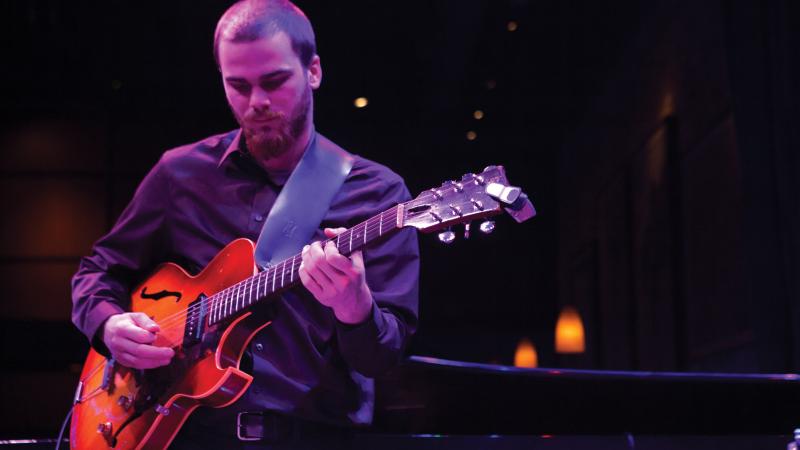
point(283, 275)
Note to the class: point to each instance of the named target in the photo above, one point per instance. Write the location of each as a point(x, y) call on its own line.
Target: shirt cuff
point(361, 332)
point(97, 318)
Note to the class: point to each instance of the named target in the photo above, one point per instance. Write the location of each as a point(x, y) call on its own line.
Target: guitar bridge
point(108, 376)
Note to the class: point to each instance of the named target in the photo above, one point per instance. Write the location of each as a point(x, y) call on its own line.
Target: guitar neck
point(236, 299)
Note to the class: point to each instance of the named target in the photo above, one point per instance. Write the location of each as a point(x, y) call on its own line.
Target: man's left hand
point(335, 280)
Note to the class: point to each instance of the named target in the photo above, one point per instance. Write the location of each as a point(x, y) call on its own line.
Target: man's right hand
point(128, 336)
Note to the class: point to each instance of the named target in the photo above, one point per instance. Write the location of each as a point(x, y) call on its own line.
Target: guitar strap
point(303, 201)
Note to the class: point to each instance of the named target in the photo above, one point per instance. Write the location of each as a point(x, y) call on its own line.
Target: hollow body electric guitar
point(208, 319)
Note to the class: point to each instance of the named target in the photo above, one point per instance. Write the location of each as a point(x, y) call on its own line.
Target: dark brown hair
point(249, 20)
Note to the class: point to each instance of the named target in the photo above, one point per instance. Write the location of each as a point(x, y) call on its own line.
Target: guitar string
point(177, 319)
point(267, 275)
point(246, 285)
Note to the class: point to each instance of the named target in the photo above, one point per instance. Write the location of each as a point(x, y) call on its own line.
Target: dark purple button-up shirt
point(200, 197)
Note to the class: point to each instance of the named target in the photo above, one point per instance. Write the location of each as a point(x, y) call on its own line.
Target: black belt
point(274, 428)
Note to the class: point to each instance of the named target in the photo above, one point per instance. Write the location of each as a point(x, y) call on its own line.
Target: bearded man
point(350, 321)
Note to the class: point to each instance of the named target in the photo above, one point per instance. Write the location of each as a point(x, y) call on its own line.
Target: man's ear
point(315, 72)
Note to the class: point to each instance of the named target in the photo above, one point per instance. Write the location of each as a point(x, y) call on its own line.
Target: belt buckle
point(241, 429)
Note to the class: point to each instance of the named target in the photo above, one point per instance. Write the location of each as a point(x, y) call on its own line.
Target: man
point(352, 318)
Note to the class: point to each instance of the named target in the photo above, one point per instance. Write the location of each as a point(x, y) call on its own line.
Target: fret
point(250, 282)
point(213, 312)
point(222, 302)
point(239, 296)
point(229, 309)
point(283, 271)
point(245, 292)
point(351, 242)
point(291, 273)
point(274, 276)
point(380, 224)
point(365, 232)
point(226, 312)
point(249, 292)
point(263, 281)
point(258, 286)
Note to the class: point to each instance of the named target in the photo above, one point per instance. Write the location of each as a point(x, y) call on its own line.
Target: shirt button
point(259, 347)
point(259, 217)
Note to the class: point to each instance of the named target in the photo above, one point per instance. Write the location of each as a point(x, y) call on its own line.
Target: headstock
point(473, 197)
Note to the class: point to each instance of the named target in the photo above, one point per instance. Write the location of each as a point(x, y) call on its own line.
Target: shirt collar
point(232, 147)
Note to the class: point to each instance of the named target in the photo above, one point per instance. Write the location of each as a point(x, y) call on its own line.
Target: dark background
point(657, 140)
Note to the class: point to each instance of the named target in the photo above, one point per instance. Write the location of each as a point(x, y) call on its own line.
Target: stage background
point(657, 140)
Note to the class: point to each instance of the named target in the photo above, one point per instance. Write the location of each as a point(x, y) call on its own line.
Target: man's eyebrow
point(265, 77)
point(275, 74)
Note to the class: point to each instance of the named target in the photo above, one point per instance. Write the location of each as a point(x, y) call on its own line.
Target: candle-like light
point(570, 336)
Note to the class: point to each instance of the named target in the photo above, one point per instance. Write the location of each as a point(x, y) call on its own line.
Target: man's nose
point(259, 99)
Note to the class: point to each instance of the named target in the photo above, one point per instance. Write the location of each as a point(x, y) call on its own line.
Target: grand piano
point(431, 403)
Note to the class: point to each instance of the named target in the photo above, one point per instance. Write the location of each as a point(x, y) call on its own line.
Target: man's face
point(268, 91)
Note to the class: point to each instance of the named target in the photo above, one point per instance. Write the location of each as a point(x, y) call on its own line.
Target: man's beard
point(280, 134)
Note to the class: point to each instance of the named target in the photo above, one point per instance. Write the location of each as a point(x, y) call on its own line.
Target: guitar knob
point(104, 428)
point(466, 230)
point(487, 226)
point(124, 402)
point(447, 237)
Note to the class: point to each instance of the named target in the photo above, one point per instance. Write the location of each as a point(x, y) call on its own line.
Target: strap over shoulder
point(303, 201)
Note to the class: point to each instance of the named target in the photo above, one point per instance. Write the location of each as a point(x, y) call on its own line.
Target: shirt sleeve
point(392, 271)
point(101, 286)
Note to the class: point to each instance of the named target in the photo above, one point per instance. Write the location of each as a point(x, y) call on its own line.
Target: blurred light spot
point(361, 102)
point(491, 84)
point(526, 356)
point(471, 135)
point(569, 332)
point(116, 85)
point(512, 26)
point(478, 114)
point(667, 104)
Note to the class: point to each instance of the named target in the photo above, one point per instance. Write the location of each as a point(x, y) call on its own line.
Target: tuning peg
point(487, 226)
point(447, 236)
point(506, 194)
point(466, 230)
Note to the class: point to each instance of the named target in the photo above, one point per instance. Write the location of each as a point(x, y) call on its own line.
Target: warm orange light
point(569, 332)
point(361, 102)
point(471, 135)
point(525, 355)
point(512, 26)
point(478, 114)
